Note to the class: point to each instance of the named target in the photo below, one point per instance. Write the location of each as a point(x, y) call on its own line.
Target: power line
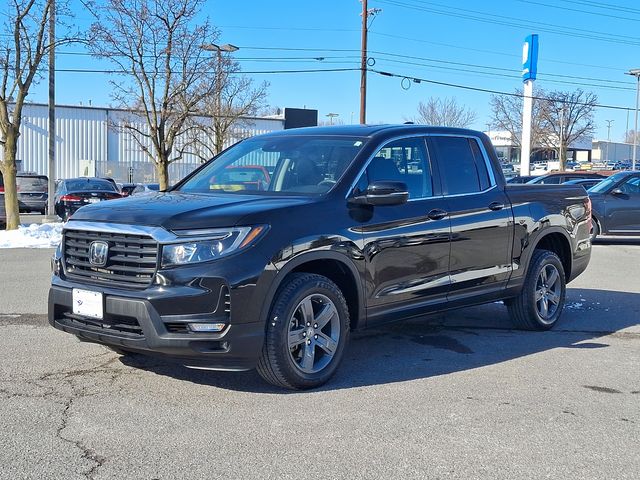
point(485, 90)
point(602, 5)
point(474, 68)
point(124, 72)
point(586, 12)
point(503, 20)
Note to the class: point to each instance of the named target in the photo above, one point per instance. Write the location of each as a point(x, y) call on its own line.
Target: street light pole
point(52, 114)
point(212, 47)
point(636, 73)
point(609, 122)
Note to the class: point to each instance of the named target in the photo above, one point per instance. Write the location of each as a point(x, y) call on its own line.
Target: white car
point(539, 168)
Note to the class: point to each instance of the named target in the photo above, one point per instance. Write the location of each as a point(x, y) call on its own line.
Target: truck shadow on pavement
point(441, 344)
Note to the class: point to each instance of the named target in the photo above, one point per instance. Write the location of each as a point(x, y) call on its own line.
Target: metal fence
point(91, 141)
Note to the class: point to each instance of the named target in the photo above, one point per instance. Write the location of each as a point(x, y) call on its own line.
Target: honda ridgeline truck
point(269, 255)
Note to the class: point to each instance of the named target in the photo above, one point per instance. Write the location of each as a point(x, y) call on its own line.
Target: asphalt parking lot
point(459, 395)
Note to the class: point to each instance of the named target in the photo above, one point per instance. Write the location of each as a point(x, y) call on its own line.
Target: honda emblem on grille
point(98, 253)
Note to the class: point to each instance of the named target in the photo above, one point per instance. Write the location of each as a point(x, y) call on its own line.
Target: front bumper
point(134, 324)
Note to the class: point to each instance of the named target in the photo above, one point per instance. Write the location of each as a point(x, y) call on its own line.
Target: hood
point(182, 210)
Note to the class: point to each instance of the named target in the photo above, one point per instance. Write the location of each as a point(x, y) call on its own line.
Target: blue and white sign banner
point(530, 58)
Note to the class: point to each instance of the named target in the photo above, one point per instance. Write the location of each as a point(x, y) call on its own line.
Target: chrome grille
point(131, 262)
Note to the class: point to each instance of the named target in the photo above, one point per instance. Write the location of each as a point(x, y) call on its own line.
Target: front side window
point(402, 161)
point(607, 183)
point(461, 163)
point(277, 164)
point(631, 186)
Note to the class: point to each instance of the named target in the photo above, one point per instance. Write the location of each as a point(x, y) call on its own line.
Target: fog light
point(207, 327)
point(55, 266)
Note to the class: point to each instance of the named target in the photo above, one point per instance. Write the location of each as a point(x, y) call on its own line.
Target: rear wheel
point(307, 332)
point(540, 303)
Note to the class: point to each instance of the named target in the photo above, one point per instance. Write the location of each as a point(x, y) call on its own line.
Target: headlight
point(215, 243)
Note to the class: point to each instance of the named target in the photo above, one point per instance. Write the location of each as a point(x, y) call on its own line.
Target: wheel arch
point(337, 268)
point(557, 241)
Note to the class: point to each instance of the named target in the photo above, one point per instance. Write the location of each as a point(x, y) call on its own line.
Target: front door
point(623, 208)
point(406, 246)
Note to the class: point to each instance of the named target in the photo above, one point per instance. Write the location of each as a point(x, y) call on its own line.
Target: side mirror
point(383, 193)
point(617, 191)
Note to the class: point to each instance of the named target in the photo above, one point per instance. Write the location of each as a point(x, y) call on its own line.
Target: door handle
point(495, 206)
point(437, 214)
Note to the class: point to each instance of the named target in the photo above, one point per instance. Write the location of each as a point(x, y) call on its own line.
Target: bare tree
point(506, 114)
point(567, 117)
point(445, 112)
point(227, 109)
point(157, 45)
point(629, 136)
point(24, 43)
point(558, 118)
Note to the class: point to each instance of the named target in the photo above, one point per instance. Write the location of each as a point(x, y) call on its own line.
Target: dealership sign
point(530, 58)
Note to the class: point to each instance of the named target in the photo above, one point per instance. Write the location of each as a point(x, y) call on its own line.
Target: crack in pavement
point(67, 400)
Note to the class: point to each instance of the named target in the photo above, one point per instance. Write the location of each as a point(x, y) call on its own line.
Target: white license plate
point(94, 200)
point(87, 303)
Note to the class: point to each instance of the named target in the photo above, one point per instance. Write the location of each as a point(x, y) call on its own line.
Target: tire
point(526, 312)
point(595, 229)
point(306, 334)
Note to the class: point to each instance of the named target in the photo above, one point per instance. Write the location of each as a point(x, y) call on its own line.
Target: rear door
point(480, 214)
point(406, 246)
point(623, 209)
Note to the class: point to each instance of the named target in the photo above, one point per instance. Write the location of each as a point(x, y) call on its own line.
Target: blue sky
point(587, 44)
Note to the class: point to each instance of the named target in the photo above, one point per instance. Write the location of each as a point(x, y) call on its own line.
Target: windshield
point(31, 184)
point(607, 183)
point(279, 164)
point(90, 185)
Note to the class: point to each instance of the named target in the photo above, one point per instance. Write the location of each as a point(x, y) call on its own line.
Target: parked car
point(508, 169)
point(521, 179)
point(586, 183)
point(74, 193)
point(32, 192)
point(344, 236)
point(249, 177)
point(571, 166)
point(146, 188)
point(616, 205)
point(539, 168)
point(3, 213)
point(127, 189)
point(561, 177)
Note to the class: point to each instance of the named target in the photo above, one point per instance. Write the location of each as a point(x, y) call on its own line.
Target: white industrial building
point(91, 142)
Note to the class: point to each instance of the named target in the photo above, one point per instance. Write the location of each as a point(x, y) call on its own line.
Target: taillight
point(587, 207)
point(70, 198)
point(113, 196)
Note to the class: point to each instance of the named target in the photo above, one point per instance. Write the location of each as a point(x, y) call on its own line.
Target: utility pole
point(52, 114)
point(363, 64)
point(609, 122)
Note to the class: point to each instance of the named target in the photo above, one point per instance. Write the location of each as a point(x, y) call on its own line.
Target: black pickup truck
point(270, 254)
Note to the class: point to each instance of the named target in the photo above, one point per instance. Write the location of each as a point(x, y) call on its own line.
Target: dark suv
point(352, 227)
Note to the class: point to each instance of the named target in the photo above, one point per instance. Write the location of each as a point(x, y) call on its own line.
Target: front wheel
point(306, 334)
point(540, 303)
point(595, 229)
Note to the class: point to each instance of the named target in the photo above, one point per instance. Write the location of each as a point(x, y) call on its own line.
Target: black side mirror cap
point(383, 193)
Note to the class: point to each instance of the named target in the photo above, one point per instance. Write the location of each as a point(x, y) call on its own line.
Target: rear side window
point(462, 164)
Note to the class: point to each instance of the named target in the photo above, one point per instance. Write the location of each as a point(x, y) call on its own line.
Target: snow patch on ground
point(36, 235)
point(574, 306)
